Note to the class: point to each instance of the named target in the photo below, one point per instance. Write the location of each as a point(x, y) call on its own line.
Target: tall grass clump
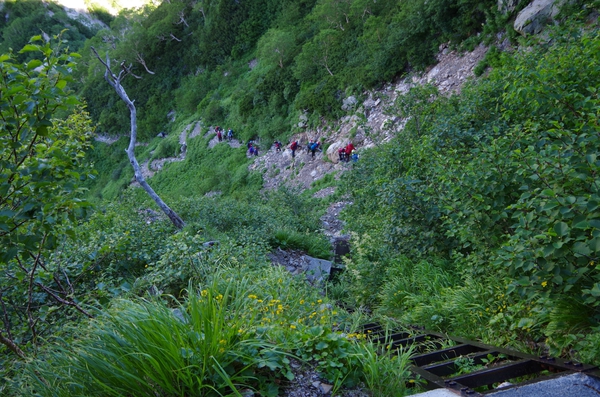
point(143, 348)
point(386, 373)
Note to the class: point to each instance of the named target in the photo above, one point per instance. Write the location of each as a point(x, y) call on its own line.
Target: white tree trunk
point(115, 82)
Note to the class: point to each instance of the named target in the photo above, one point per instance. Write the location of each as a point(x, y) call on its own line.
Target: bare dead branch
point(182, 20)
point(62, 301)
point(173, 37)
point(141, 60)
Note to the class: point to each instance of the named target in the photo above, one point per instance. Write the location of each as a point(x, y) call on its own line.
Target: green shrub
point(167, 147)
point(214, 112)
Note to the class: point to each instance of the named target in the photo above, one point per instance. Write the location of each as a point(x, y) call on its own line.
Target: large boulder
point(332, 151)
point(536, 15)
point(349, 103)
point(302, 121)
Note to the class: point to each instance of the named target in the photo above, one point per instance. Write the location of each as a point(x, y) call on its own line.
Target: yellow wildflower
point(544, 283)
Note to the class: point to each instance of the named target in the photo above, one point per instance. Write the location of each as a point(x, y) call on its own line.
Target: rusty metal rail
point(437, 362)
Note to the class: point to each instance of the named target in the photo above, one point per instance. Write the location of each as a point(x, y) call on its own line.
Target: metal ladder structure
point(437, 365)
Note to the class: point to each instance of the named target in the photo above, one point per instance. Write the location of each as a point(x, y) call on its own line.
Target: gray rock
point(332, 151)
point(507, 6)
point(317, 270)
point(349, 103)
point(536, 15)
point(171, 116)
point(303, 121)
point(371, 103)
point(325, 388)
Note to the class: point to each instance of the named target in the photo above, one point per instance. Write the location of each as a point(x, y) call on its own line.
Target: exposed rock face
point(349, 103)
point(368, 124)
point(507, 6)
point(536, 15)
point(303, 119)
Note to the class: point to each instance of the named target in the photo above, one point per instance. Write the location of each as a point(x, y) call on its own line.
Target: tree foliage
point(41, 167)
point(330, 45)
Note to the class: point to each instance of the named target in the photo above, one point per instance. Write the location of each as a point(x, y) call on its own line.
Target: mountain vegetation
point(479, 218)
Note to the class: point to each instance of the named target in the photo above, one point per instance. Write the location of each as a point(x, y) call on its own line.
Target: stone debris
point(297, 262)
point(308, 383)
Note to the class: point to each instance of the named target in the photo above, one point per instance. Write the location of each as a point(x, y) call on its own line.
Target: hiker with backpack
point(219, 134)
point(349, 149)
point(342, 154)
point(277, 146)
point(314, 145)
point(230, 135)
point(293, 148)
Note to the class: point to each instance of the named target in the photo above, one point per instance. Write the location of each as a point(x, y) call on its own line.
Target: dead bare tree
point(115, 82)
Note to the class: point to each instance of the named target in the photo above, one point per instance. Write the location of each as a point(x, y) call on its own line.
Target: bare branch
point(139, 58)
point(173, 37)
point(11, 345)
point(63, 301)
point(182, 19)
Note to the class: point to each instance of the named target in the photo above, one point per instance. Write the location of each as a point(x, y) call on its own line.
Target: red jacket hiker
point(349, 148)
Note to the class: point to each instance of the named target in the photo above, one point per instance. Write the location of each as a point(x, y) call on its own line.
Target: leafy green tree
point(333, 14)
point(40, 168)
point(320, 52)
point(276, 47)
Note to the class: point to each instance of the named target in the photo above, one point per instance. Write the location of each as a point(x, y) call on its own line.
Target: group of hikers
point(348, 153)
point(345, 153)
point(311, 147)
point(221, 134)
point(252, 148)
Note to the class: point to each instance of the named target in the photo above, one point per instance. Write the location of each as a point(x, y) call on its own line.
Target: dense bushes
point(501, 181)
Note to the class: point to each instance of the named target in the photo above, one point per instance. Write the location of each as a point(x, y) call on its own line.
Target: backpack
point(294, 145)
point(313, 146)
